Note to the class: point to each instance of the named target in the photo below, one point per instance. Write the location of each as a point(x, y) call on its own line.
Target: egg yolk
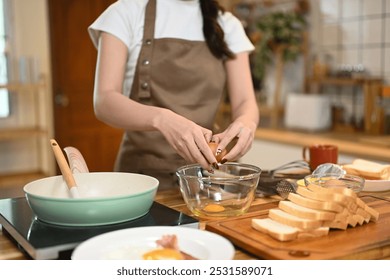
point(163, 254)
point(214, 208)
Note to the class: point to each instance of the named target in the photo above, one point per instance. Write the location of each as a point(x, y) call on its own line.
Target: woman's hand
point(188, 139)
point(241, 131)
point(245, 113)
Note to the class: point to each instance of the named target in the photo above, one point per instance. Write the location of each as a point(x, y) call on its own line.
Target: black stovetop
point(41, 240)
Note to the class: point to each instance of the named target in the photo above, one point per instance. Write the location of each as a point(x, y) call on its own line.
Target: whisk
point(280, 187)
point(285, 187)
point(291, 165)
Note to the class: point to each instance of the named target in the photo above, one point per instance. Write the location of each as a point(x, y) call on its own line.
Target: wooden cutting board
point(369, 241)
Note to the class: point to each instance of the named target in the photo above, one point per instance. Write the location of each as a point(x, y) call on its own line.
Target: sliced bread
point(345, 196)
point(323, 196)
point(294, 221)
point(304, 212)
point(313, 210)
point(284, 232)
point(374, 215)
point(368, 169)
point(333, 186)
point(275, 229)
point(315, 204)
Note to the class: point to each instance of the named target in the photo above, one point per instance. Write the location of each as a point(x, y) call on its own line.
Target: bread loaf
point(313, 210)
point(368, 169)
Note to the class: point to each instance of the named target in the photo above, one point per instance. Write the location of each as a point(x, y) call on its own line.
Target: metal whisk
point(285, 187)
point(281, 187)
point(291, 165)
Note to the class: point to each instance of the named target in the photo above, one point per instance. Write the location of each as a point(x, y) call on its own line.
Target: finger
point(241, 147)
point(207, 155)
point(216, 138)
point(227, 137)
point(208, 135)
point(183, 151)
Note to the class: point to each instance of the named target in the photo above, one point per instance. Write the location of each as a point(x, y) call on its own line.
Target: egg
point(214, 208)
point(163, 254)
point(213, 146)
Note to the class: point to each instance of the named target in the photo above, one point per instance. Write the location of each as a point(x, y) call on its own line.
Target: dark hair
point(212, 30)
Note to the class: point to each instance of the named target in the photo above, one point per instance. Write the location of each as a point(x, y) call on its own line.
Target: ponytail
point(212, 31)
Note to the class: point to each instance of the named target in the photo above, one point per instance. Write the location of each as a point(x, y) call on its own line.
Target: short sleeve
point(114, 21)
point(235, 35)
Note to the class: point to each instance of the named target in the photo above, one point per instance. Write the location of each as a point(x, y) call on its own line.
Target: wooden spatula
point(65, 170)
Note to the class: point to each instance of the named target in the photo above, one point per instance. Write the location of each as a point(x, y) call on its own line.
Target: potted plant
point(278, 32)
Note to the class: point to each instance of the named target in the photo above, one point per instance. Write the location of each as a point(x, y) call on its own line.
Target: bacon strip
point(169, 241)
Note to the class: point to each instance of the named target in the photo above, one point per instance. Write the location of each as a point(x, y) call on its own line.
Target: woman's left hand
point(241, 131)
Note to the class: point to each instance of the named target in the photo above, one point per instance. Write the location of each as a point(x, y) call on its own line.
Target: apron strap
point(143, 83)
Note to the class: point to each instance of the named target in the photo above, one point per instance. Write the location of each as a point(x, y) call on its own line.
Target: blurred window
point(4, 95)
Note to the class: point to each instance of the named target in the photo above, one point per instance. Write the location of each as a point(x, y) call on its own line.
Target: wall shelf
point(372, 90)
point(33, 133)
point(18, 133)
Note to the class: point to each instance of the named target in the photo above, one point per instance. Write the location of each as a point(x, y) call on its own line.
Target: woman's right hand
point(188, 139)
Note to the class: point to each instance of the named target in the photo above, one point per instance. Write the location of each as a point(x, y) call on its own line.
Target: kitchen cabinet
point(29, 132)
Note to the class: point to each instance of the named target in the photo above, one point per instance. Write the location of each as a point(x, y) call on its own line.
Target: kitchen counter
point(172, 198)
point(376, 148)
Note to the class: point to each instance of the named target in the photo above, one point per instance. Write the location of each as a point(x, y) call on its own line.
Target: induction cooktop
point(41, 240)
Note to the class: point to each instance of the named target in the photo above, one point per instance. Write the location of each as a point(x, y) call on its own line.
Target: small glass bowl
point(352, 182)
point(228, 192)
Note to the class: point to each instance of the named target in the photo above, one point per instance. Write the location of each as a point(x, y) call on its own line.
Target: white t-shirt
point(181, 19)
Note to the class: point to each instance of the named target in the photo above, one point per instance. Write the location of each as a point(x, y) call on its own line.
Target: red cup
point(320, 154)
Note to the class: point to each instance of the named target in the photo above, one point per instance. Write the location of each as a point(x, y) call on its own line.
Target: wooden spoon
point(65, 170)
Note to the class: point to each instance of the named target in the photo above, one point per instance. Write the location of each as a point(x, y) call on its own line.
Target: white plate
point(134, 242)
point(376, 185)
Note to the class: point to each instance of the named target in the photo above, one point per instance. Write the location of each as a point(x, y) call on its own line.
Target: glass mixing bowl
point(229, 191)
point(352, 182)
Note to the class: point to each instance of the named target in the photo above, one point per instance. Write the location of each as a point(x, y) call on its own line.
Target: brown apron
point(177, 74)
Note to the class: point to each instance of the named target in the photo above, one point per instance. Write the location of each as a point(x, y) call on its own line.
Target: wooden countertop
point(172, 198)
point(358, 145)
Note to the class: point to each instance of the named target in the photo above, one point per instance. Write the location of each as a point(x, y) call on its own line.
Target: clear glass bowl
point(353, 182)
point(228, 192)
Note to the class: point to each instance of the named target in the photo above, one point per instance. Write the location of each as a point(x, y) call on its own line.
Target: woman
point(162, 68)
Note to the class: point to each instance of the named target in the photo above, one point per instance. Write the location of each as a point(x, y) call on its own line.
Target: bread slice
point(340, 224)
point(315, 204)
point(318, 232)
point(293, 221)
point(345, 196)
point(275, 229)
point(341, 220)
point(284, 232)
point(304, 212)
point(363, 213)
point(374, 215)
point(332, 186)
point(321, 196)
point(368, 169)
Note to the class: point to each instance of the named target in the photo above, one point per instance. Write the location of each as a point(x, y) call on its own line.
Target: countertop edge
point(351, 145)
